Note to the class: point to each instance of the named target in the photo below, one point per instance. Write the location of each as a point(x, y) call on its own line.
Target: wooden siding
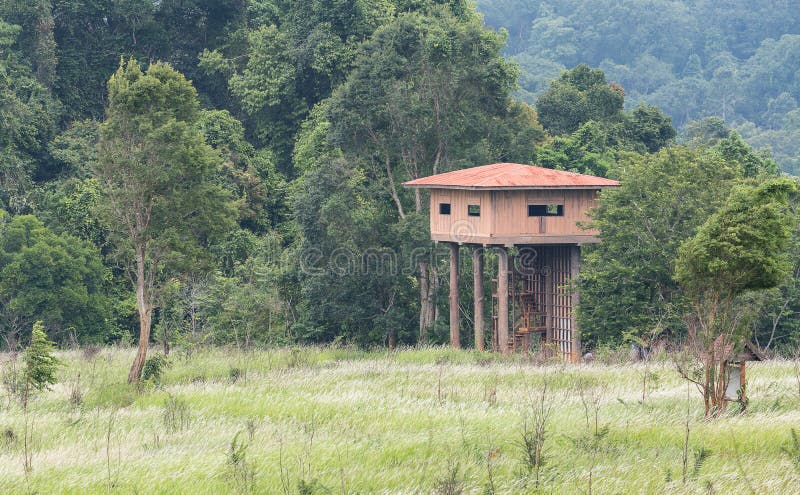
point(458, 225)
point(504, 216)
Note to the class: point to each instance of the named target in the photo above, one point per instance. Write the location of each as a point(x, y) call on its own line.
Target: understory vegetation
point(341, 420)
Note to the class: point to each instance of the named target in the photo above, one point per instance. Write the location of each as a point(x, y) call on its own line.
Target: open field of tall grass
point(309, 420)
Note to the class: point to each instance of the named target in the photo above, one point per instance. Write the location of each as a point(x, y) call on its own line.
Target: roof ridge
point(508, 175)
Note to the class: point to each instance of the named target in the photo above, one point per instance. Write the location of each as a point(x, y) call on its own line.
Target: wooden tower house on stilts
point(536, 210)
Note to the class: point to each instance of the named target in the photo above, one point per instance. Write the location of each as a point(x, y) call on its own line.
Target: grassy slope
point(407, 422)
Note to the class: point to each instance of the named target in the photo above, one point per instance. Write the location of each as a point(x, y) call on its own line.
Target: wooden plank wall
point(505, 213)
point(459, 222)
point(511, 212)
point(556, 264)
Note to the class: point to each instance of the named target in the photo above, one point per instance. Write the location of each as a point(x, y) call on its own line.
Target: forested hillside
point(735, 59)
point(189, 173)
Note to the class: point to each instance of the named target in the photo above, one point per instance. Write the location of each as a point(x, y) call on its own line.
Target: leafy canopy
point(577, 96)
point(627, 280)
point(57, 278)
point(155, 168)
point(742, 246)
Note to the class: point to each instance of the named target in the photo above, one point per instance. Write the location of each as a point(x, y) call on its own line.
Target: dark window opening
point(444, 208)
point(545, 210)
point(474, 210)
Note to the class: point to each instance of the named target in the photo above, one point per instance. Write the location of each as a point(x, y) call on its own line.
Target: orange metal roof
point(511, 176)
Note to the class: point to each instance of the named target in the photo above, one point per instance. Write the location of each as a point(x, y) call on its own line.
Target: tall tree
point(429, 93)
point(740, 248)
point(155, 171)
point(627, 283)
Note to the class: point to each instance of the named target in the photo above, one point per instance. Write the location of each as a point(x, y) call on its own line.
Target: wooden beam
point(455, 334)
point(574, 269)
point(502, 299)
point(477, 276)
point(516, 240)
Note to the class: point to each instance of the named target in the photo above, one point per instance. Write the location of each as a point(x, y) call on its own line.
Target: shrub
point(40, 363)
point(154, 367)
point(234, 374)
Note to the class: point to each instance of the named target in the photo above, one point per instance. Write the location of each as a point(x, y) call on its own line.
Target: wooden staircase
point(528, 316)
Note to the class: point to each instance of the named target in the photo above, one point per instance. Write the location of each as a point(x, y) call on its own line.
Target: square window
point(474, 210)
point(444, 208)
point(555, 210)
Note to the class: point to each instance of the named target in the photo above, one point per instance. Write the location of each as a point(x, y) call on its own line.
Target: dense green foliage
point(584, 114)
point(737, 59)
point(41, 364)
point(742, 246)
point(54, 278)
point(628, 281)
point(248, 177)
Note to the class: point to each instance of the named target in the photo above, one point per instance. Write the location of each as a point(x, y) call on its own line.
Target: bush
point(154, 367)
point(234, 374)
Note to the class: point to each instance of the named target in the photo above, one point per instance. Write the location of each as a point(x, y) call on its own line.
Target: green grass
point(322, 420)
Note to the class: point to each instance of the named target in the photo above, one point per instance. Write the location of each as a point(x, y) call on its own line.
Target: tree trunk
point(433, 289)
point(145, 315)
point(166, 341)
point(425, 302)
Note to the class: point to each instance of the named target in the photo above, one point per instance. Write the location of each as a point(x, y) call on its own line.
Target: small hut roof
point(752, 353)
point(511, 176)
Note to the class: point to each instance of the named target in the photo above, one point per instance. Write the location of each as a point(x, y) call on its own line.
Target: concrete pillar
point(574, 272)
point(455, 335)
point(477, 277)
point(502, 299)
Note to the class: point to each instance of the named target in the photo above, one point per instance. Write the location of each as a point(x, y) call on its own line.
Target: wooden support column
point(574, 272)
point(549, 295)
point(502, 299)
point(455, 334)
point(477, 277)
point(742, 384)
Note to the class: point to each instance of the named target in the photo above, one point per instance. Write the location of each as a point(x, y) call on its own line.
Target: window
point(444, 208)
point(545, 210)
point(474, 210)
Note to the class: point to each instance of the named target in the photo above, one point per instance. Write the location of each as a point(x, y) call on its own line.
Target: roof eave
point(504, 188)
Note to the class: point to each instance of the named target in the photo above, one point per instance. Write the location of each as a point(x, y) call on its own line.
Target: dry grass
point(417, 421)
